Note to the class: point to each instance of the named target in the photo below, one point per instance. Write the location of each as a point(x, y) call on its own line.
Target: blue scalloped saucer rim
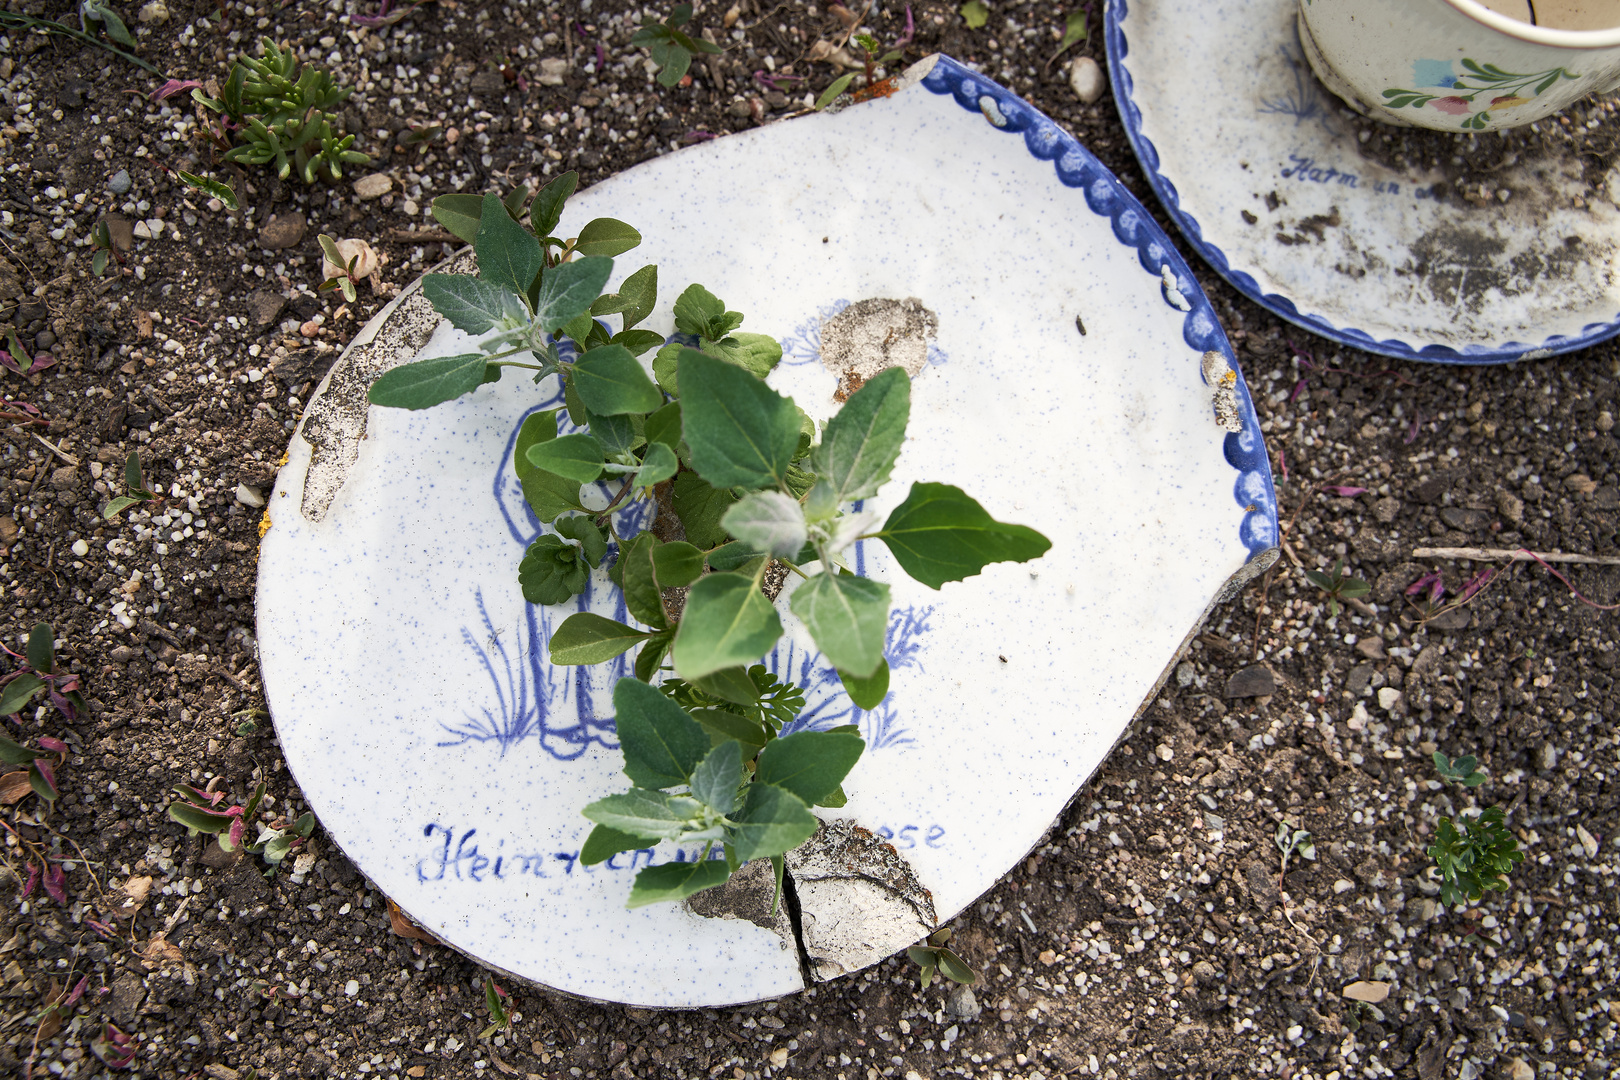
point(1134, 227)
point(1119, 76)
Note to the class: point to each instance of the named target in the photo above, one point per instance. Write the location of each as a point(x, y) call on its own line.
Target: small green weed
point(204, 812)
point(670, 46)
point(932, 956)
point(1291, 841)
point(138, 491)
point(1338, 586)
point(1459, 770)
point(1475, 858)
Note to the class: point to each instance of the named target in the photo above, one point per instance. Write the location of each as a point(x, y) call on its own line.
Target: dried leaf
point(160, 950)
point(14, 787)
point(402, 925)
point(135, 892)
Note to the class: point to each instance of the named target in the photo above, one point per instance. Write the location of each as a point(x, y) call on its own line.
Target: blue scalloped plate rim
point(1119, 76)
point(1134, 227)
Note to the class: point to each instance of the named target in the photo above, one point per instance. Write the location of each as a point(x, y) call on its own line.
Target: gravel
point(1151, 934)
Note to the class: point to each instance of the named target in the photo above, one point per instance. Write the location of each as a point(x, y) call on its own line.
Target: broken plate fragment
point(450, 761)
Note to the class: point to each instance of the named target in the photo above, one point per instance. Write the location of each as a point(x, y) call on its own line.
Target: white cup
point(1462, 65)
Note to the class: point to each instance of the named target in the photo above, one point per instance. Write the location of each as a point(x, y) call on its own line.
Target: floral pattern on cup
point(1510, 89)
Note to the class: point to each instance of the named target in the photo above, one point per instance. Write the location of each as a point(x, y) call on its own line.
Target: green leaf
point(1353, 589)
point(19, 692)
point(700, 506)
point(12, 752)
point(426, 383)
point(867, 693)
point(605, 842)
point(731, 556)
point(975, 14)
point(729, 684)
point(811, 764)
point(740, 431)
point(1074, 30)
point(661, 744)
point(618, 434)
point(848, 617)
point(579, 329)
point(638, 341)
point(939, 534)
point(727, 621)
point(214, 188)
point(699, 312)
point(652, 654)
point(838, 86)
point(460, 214)
point(546, 210)
point(769, 521)
point(507, 254)
point(552, 570)
point(536, 428)
point(577, 457)
point(634, 300)
point(513, 201)
point(757, 354)
point(642, 594)
point(606, 236)
point(677, 564)
point(664, 426)
point(676, 881)
point(722, 726)
point(567, 291)
point(473, 304)
point(640, 812)
point(588, 638)
point(611, 382)
point(953, 968)
point(116, 29)
point(42, 649)
point(772, 821)
point(549, 495)
point(592, 541)
point(658, 465)
point(197, 820)
point(859, 447)
point(666, 368)
point(717, 777)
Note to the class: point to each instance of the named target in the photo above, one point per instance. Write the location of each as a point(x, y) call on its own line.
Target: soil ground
point(1152, 936)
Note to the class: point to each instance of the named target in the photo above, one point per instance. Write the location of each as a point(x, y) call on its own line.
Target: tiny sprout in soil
point(1474, 855)
point(1459, 770)
point(671, 47)
point(204, 812)
point(932, 956)
point(1291, 841)
point(138, 491)
point(1338, 585)
point(741, 478)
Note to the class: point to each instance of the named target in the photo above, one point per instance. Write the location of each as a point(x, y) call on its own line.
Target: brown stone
point(282, 231)
point(1256, 680)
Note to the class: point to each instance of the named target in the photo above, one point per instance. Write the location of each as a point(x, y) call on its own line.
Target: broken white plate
point(449, 761)
point(1258, 165)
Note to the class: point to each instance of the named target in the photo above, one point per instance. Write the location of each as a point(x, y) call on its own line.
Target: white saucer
point(1259, 167)
point(450, 761)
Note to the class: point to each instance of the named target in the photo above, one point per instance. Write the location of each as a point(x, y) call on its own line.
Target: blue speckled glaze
point(1077, 168)
point(1286, 107)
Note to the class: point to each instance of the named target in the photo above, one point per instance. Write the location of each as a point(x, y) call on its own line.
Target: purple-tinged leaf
point(45, 786)
point(238, 830)
point(1282, 464)
point(1477, 582)
point(1306, 360)
point(601, 58)
point(56, 746)
point(1299, 388)
point(1412, 431)
point(102, 930)
point(114, 1049)
point(1433, 582)
point(33, 880)
point(76, 994)
point(174, 86)
point(1344, 491)
point(56, 883)
point(698, 136)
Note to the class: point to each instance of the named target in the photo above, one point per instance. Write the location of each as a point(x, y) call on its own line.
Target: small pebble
point(81, 548)
point(374, 186)
point(1086, 79)
point(155, 13)
point(249, 496)
point(119, 183)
